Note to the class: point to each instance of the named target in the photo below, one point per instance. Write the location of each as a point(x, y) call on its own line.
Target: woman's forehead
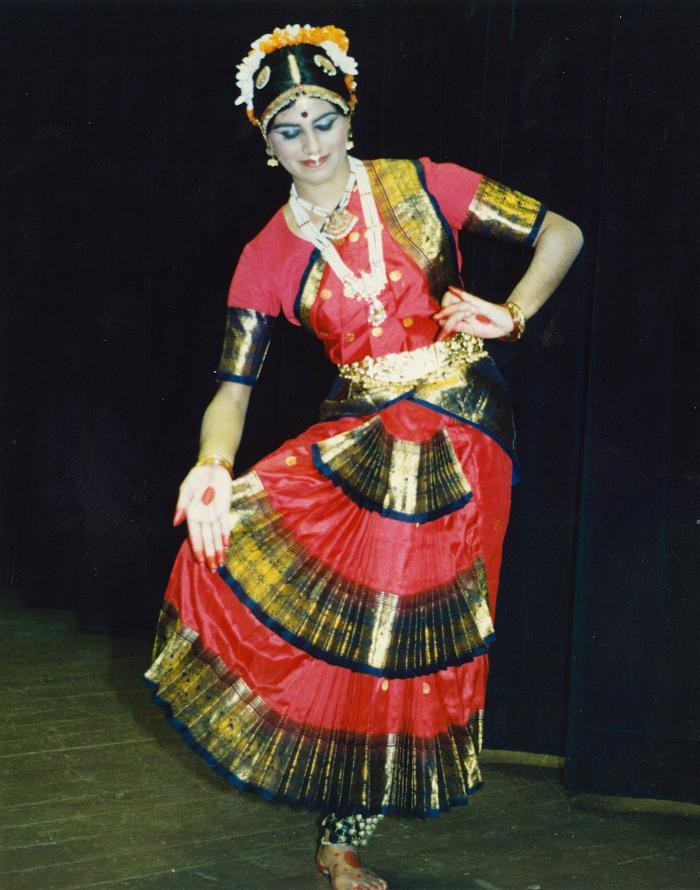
point(303, 108)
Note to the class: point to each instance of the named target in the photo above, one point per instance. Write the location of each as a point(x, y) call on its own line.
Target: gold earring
point(350, 143)
point(271, 159)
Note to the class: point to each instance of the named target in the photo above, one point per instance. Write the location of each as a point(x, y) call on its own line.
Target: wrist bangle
point(216, 460)
point(518, 316)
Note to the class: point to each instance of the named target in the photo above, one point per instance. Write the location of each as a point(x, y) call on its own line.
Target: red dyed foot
point(343, 866)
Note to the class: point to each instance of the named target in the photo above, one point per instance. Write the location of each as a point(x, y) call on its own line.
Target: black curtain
point(130, 184)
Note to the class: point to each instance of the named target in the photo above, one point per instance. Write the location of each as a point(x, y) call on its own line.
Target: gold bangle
point(518, 316)
point(215, 460)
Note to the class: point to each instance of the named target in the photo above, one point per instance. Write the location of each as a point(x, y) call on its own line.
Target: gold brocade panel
point(260, 750)
point(339, 621)
point(474, 393)
point(410, 481)
point(411, 218)
point(413, 221)
point(502, 212)
point(246, 341)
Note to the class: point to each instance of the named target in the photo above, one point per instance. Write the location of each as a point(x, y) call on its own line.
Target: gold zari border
point(340, 621)
point(412, 481)
point(246, 341)
point(260, 750)
point(405, 206)
point(502, 212)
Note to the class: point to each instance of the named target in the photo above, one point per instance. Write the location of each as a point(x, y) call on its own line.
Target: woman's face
point(310, 141)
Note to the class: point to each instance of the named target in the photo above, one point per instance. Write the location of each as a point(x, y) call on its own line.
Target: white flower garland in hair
point(332, 40)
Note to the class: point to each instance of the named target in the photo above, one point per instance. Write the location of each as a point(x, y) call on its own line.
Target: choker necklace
point(367, 285)
point(338, 222)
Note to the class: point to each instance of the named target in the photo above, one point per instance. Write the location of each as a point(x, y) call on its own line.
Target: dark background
point(130, 184)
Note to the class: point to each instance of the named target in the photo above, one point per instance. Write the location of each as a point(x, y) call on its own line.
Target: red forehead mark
point(305, 114)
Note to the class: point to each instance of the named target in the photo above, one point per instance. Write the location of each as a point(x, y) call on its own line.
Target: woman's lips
point(315, 162)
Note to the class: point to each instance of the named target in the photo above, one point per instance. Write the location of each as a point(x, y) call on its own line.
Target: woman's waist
point(411, 367)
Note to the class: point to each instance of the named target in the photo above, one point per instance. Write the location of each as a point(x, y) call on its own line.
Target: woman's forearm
point(556, 247)
point(223, 421)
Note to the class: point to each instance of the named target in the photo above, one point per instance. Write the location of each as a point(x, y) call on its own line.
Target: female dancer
point(324, 634)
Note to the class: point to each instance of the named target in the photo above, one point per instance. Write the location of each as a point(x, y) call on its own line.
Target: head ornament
point(293, 61)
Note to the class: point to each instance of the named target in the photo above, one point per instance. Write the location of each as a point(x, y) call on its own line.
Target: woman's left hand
point(462, 311)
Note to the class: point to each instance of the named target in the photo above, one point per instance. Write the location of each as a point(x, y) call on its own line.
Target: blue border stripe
point(438, 210)
point(315, 254)
point(307, 803)
point(331, 658)
point(477, 426)
point(537, 225)
point(374, 506)
point(225, 377)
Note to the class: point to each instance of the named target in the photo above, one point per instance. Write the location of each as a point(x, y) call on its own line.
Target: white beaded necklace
point(367, 285)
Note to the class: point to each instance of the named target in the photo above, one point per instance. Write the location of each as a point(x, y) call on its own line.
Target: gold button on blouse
point(326, 294)
point(407, 322)
point(395, 275)
point(426, 689)
point(354, 236)
point(377, 332)
point(385, 685)
point(290, 461)
point(349, 336)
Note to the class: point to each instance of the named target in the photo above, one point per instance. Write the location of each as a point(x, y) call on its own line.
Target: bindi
point(305, 114)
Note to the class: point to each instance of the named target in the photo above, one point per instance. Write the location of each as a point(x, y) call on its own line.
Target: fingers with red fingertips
point(179, 516)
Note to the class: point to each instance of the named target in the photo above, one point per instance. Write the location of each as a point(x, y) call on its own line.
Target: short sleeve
point(453, 187)
point(482, 206)
point(250, 316)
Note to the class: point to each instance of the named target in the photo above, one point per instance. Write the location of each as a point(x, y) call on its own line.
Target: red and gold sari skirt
point(339, 658)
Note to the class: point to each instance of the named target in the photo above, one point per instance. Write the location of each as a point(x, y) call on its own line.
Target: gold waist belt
point(408, 368)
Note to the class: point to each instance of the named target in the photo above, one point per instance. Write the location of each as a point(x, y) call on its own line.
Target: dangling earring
point(271, 159)
point(350, 143)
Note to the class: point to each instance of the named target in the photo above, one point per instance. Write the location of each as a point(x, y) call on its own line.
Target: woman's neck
point(326, 194)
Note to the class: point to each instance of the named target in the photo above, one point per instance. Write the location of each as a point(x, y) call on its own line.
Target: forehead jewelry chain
point(369, 284)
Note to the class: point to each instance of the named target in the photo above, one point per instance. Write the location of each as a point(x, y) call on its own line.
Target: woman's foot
point(344, 867)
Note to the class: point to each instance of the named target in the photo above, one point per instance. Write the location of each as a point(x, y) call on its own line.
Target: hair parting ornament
point(296, 61)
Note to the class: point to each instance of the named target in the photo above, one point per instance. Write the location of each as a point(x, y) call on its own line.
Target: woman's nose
point(312, 146)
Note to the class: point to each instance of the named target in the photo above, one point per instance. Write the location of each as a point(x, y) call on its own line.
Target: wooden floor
point(98, 791)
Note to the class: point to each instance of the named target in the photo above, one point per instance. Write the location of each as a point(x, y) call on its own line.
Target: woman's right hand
point(205, 497)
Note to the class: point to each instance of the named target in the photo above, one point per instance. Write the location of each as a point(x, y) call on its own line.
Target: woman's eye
point(289, 134)
point(326, 125)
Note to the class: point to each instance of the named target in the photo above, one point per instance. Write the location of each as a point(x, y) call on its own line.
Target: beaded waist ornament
point(405, 369)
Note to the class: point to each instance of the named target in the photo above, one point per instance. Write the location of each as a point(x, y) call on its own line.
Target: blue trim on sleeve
point(224, 377)
point(537, 225)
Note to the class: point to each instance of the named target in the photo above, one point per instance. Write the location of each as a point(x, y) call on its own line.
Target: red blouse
point(272, 266)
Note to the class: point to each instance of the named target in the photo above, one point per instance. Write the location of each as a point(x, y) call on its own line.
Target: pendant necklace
point(338, 222)
point(367, 285)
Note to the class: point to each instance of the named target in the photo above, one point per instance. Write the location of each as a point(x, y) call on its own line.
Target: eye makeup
point(291, 131)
